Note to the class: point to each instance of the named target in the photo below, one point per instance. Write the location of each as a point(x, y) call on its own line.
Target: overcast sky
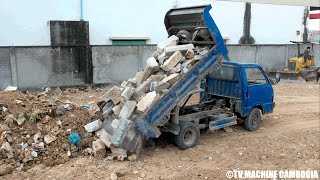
point(25, 22)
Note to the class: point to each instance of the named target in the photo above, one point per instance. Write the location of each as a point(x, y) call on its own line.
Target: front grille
point(292, 66)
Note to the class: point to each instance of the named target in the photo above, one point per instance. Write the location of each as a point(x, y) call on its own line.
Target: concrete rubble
point(61, 130)
point(122, 106)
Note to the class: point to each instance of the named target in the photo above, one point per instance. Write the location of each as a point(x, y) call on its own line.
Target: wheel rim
point(189, 137)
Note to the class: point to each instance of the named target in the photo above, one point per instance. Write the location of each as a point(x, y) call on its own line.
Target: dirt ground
point(288, 139)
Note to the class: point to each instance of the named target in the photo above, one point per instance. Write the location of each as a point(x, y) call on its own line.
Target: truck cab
point(245, 86)
point(232, 92)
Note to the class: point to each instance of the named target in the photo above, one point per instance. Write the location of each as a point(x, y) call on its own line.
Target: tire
point(188, 136)
point(253, 120)
point(184, 35)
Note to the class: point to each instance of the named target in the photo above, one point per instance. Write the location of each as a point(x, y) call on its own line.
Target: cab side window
point(255, 76)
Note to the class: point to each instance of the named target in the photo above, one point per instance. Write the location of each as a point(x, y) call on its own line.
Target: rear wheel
point(253, 120)
point(188, 136)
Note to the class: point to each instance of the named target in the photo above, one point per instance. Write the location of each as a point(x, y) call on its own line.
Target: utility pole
point(81, 10)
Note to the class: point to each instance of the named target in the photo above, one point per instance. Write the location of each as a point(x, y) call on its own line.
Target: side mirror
point(276, 80)
point(278, 77)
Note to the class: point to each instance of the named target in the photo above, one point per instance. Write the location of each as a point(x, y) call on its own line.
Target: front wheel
point(188, 136)
point(253, 120)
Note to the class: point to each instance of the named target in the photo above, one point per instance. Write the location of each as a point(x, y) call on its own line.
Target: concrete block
point(107, 109)
point(119, 153)
point(132, 82)
point(116, 109)
point(176, 69)
point(181, 48)
point(161, 60)
point(172, 79)
point(98, 148)
point(151, 68)
point(197, 57)
point(93, 126)
point(124, 84)
point(127, 109)
point(138, 77)
point(121, 132)
point(147, 101)
point(127, 93)
point(189, 54)
point(169, 64)
point(171, 41)
point(115, 124)
point(161, 86)
point(143, 87)
point(105, 137)
point(117, 95)
point(21, 118)
point(108, 95)
point(189, 63)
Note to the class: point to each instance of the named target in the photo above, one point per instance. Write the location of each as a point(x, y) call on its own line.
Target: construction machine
point(301, 66)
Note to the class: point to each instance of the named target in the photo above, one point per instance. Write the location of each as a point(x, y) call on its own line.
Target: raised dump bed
point(195, 26)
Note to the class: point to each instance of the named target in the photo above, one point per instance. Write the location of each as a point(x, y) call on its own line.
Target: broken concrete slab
point(93, 126)
point(124, 84)
point(121, 132)
point(172, 79)
point(197, 57)
point(161, 60)
point(127, 93)
point(117, 96)
point(105, 137)
point(98, 148)
point(147, 101)
point(49, 138)
point(119, 153)
point(161, 86)
point(138, 77)
point(171, 41)
point(116, 109)
point(189, 63)
point(107, 109)
point(127, 109)
point(176, 69)
point(169, 64)
point(110, 94)
point(181, 48)
point(151, 68)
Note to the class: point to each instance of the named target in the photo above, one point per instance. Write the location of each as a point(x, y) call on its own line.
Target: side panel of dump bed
point(156, 115)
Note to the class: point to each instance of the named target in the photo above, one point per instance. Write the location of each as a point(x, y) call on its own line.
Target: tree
point(246, 37)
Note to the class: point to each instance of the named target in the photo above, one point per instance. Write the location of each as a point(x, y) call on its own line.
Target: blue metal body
point(250, 95)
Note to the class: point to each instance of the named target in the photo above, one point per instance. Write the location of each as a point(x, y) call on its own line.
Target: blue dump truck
point(227, 90)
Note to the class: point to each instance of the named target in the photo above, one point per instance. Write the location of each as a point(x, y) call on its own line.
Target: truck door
point(258, 90)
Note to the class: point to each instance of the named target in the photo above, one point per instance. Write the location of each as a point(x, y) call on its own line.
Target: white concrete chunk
point(171, 41)
point(93, 126)
point(172, 79)
point(181, 48)
point(189, 54)
point(151, 68)
point(121, 132)
point(107, 109)
point(127, 93)
point(116, 109)
point(147, 101)
point(138, 77)
point(98, 148)
point(176, 69)
point(169, 64)
point(105, 137)
point(161, 86)
point(127, 109)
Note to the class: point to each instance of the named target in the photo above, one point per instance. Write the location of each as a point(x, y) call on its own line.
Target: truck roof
point(241, 64)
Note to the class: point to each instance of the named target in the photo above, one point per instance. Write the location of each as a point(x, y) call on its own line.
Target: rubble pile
point(34, 129)
point(122, 105)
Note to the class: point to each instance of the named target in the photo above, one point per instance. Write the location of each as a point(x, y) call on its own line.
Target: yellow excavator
point(300, 67)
